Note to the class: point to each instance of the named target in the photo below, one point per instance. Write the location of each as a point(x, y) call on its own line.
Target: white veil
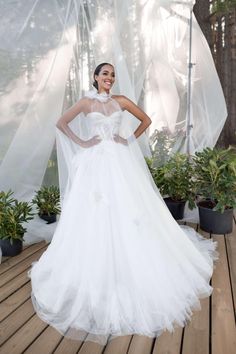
point(43, 75)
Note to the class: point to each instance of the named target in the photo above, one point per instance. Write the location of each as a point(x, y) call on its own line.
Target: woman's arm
point(67, 117)
point(128, 105)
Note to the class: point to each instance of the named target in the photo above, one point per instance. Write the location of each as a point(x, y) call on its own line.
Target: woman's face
point(105, 78)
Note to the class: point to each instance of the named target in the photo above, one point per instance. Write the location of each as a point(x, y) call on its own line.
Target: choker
point(102, 97)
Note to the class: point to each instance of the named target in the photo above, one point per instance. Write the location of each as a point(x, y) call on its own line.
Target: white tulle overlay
point(118, 262)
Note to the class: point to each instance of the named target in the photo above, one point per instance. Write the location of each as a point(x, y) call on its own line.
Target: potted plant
point(13, 214)
point(47, 201)
point(175, 182)
point(215, 173)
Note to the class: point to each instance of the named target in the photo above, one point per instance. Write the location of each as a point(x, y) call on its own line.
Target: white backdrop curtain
point(48, 51)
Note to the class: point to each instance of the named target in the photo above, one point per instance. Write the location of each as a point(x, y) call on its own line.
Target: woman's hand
point(91, 142)
point(118, 139)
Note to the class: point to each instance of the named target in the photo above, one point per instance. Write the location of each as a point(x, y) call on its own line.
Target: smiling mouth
point(108, 82)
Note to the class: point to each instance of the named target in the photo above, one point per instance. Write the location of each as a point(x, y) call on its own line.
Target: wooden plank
point(21, 267)
point(24, 336)
point(14, 301)
point(91, 348)
point(141, 345)
point(45, 343)
point(11, 261)
point(10, 287)
point(68, 346)
point(15, 320)
point(169, 343)
point(231, 253)
point(25, 246)
point(118, 345)
point(196, 333)
point(223, 323)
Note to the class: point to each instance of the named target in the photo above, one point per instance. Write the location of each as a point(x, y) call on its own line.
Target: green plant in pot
point(175, 182)
point(13, 216)
point(47, 201)
point(215, 173)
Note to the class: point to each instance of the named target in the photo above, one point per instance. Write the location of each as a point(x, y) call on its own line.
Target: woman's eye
point(106, 74)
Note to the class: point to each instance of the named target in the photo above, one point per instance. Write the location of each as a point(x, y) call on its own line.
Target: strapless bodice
point(103, 125)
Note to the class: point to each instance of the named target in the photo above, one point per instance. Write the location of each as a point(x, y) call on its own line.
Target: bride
point(118, 262)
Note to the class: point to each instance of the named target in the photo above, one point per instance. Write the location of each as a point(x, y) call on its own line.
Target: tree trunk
point(202, 11)
point(220, 32)
point(226, 66)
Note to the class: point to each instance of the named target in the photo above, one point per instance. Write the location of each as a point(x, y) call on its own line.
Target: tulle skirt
point(118, 262)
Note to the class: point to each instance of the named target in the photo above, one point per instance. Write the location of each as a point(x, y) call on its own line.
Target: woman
point(118, 262)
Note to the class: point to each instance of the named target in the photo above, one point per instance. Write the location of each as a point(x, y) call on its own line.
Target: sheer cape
point(106, 105)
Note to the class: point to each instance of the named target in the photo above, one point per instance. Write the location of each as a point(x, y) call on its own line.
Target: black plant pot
point(9, 249)
point(214, 221)
point(175, 207)
point(49, 218)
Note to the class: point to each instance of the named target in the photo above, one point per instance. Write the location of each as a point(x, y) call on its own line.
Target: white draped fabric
point(48, 51)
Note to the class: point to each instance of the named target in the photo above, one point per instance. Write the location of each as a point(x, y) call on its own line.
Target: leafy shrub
point(47, 200)
point(13, 214)
point(175, 178)
point(215, 173)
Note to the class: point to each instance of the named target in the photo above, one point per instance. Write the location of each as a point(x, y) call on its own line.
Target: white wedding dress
point(118, 262)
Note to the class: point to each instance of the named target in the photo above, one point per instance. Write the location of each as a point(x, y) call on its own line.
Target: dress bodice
point(103, 125)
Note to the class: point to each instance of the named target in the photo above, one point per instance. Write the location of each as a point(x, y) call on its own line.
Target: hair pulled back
point(97, 71)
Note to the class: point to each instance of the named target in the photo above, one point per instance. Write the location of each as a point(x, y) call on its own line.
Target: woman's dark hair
point(97, 71)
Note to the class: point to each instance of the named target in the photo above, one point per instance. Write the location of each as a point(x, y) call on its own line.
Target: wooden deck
point(211, 330)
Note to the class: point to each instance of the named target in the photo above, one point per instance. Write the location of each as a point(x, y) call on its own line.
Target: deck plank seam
point(5, 258)
point(23, 271)
point(12, 279)
point(182, 341)
point(128, 348)
point(153, 345)
point(4, 318)
point(14, 291)
point(210, 316)
point(82, 344)
point(23, 324)
point(230, 277)
point(57, 345)
point(80, 347)
point(35, 338)
point(22, 303)
point(22, 260)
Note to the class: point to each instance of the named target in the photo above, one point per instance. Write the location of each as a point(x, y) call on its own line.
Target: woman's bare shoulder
point(121, 99)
